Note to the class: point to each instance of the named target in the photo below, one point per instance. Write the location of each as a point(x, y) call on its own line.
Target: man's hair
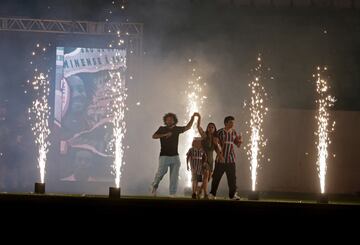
point(228, 118)
point(170, 115)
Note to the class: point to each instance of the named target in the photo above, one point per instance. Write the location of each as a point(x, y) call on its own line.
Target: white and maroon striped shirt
point(197, 159)
point(228, 140)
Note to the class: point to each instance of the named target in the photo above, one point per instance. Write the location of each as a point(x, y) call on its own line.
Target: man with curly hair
point(169, 156)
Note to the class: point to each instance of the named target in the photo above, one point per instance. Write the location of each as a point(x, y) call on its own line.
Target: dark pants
point(229, 169)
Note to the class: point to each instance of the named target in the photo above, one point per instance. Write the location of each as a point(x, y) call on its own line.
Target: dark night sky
point(292, 42)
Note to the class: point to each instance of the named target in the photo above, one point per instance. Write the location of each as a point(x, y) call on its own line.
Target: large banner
point(81, 115)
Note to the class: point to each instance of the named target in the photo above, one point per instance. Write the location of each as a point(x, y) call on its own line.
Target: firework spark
point(117, 92)
point(117, 107)
point(324, 102)
point(39, 113)
point(258, 111)
point(194, 100)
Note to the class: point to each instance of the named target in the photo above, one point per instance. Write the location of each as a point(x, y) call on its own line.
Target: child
point(198, 163)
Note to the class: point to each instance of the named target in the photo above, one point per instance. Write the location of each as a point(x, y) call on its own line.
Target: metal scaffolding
point(133, 32)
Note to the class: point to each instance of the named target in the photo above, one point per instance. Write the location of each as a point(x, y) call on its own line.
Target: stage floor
point(133, 207)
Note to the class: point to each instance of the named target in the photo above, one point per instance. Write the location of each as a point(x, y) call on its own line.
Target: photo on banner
point(82, 120)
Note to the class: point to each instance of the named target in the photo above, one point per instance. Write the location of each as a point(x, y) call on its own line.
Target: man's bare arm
point(190, 123)
point(158, 136)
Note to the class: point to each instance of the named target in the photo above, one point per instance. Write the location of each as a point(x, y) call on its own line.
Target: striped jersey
point(197, 159)
point(228, 140)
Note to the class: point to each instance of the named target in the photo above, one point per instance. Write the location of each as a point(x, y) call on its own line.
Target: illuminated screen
point(82, 122)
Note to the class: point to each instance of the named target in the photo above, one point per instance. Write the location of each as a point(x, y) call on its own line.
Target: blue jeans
point(164, 163)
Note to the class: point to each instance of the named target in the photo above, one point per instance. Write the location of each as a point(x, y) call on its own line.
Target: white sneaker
point(212, 197)
point(236, 197)
point(172, 196)
point(153, 191)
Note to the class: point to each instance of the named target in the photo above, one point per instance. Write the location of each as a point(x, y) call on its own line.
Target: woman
point(210, 142)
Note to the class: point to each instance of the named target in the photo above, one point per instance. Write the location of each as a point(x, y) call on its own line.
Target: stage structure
point(132, 33)
point(81, 68)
